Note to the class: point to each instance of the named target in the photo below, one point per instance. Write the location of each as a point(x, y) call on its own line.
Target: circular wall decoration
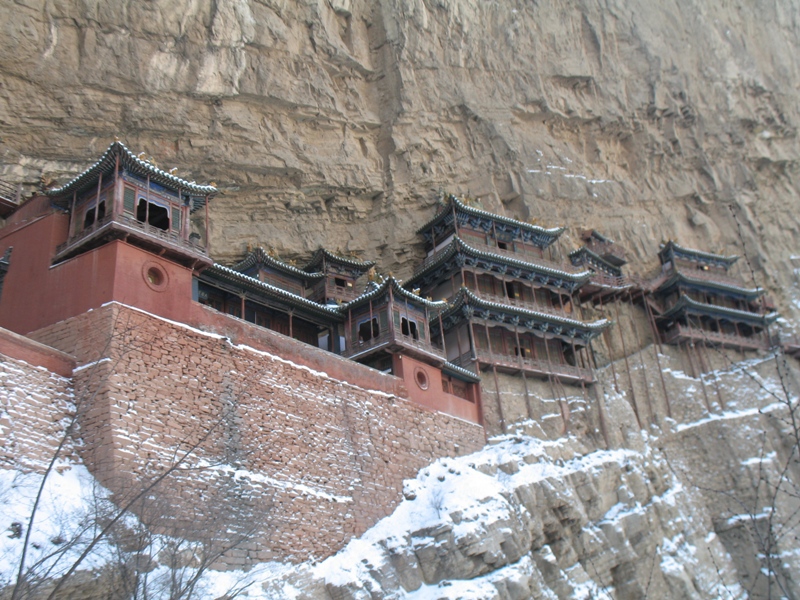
point(421, 378)
point(155, 276)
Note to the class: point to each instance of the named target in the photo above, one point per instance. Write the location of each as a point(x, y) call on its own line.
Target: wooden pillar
point(147, 205)
point(97, 198)
point(73, 216)
point(628, 368)
point(441, 330)
point(117, 189)
point(291, 332)
point(641, 360)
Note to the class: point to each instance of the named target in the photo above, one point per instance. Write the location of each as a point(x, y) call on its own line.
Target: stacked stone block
point(293, 461)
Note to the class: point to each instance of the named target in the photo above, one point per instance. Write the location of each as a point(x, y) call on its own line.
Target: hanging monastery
point(329, 380)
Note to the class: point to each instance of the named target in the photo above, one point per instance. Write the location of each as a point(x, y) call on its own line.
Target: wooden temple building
point(695, 300)
point(489, 297)
point(605, 259)
point(511, 308)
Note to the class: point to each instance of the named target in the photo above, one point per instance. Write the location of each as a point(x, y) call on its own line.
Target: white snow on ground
point(460, 485)
point(62, 525)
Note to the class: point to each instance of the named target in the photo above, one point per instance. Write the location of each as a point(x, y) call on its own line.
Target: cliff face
point(337, 122)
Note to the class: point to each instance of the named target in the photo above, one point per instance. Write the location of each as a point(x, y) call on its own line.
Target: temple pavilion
point(123, 196)
point(605, 259)
point(695, 300)
point(510, 306)
point(264, 290)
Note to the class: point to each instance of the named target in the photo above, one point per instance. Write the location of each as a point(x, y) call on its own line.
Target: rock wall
point(338, 122)
point(286, 460)
point(682, 509)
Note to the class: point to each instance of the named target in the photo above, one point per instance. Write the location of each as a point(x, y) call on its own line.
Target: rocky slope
point(670, 515)
point(337, 122)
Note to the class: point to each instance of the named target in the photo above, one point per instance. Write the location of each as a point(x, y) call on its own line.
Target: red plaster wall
point(308, 460)
point(35, 354)
point(434, 397)
point(36, 294)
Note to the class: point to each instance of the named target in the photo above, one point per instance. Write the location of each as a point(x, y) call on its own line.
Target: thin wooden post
point(641, 361)
point(97, 198)
point(628, 368)
point(657, 351)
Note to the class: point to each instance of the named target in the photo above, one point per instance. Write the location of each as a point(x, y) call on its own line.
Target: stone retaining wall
point(304, 460)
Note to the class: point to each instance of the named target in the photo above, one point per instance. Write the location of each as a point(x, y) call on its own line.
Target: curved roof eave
point(107, 162)
point(379, 290)
point(260, 256)
point(230, 274)
point(457, 244)
point(465, 296)
point(555, 232)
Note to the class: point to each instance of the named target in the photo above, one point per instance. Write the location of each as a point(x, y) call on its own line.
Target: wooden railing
point(713, 276)
point(533, 365)
point(605, 248)
point(10, 192)
point(609, 280)
point(552, 310)
point(389, 337)
point(134, 226)
point(522, 256)
point(682, 333)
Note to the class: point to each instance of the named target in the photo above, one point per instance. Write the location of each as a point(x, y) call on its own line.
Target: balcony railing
point(552, 310)
point(536, 366)
point(131, 226)
point(609, 280)
point(682, 333)
point(523, 256)
point(390, 338)
point(10, 197)
point(606, 249)
point(713, 276)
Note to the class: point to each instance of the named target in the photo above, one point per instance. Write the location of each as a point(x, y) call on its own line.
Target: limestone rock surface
point(338, 122)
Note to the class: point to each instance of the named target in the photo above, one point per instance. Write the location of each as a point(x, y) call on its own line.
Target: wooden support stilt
point(641, 361)
point(702, 382)
point(601, 409)
point(607, 338)
point(628, 369)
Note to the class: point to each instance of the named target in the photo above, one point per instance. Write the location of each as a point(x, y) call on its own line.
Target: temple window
point(152, 214)
point(502, 245)
point(512, 288)
point(409, 328)
point(368, 329)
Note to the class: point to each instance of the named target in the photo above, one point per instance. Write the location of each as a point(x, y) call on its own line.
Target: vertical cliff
point(336, 122)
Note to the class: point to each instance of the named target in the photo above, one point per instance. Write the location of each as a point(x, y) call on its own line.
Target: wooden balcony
point(712, 276)
point(609, 251)
point(531, 258)
point(125, 227)
point(551, 310)
point(394, 342)
point(530, 366)
point(10, 198)
point(680, 334)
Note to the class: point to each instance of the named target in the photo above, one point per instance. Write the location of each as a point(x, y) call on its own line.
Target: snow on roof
point(324, 255)
point(259, 255)
point(461, 207)
point(457, 245)
point(107, 162)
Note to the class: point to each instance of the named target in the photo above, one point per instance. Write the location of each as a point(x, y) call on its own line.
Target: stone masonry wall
point(35, 406)
point(293, 460)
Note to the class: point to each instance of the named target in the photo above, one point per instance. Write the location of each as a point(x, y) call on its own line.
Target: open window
point(152, 214)
point(368, 330)
point(409, 328)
